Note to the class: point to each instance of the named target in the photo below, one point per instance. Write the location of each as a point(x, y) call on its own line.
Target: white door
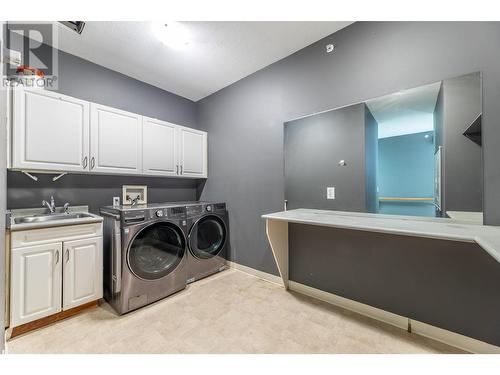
point(115, 140)
point(82, 272)
point(50, 131)
point(193, 152)
point(36, 282)
point(159, 148)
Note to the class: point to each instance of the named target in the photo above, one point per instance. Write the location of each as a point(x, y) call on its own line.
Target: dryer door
point(156, 251)
point(207, 237)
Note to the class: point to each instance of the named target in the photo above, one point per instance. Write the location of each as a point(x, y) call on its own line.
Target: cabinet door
point(115, 140)
point(82, 272)
point(159, 148)
point(193, 152)
point(50, 131)
point(35, 282)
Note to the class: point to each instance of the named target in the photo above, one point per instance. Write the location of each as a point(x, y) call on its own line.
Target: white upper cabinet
point(159, 148)
point(192, 152)
point(58, 133)
point(82, 272)
point(36, 282)
point(115, 140)
point(50, 131)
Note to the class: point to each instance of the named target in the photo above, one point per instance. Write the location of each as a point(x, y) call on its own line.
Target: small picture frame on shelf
point(134, 194)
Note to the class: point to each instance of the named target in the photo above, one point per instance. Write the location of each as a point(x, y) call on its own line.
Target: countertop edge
point(486, 241)
point(22, 227)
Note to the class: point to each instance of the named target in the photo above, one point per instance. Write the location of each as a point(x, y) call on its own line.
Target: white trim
point(256, 273)
point(453, 339)
point(422, 329)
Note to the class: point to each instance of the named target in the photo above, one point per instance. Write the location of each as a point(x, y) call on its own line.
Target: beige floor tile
point(230, 312)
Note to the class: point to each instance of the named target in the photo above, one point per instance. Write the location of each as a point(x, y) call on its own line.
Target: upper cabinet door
point(159, 148)
point(82, 272)
point(36, 282)
point(50, 131)
point(115, 140)
point(193, 152)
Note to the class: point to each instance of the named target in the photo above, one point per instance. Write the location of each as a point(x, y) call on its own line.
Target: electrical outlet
point(330, 193)
point(116, 201)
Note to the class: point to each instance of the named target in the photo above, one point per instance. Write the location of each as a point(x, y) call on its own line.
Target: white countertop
point(486, 236)
point(472, 217)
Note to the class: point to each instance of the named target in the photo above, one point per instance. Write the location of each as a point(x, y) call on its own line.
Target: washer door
point(156, 251)
point(207, 237)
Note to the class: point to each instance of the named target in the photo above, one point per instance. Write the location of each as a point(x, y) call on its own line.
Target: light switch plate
point(330, 193)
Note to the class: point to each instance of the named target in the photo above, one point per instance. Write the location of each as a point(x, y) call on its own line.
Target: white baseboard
point(253, 272)
point(453, 339)
point(447, 337)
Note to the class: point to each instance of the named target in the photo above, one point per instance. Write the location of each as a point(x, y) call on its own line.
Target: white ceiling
point(405, 112)
point(218, 54)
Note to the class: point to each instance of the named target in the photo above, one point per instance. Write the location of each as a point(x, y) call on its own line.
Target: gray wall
point(3, 188)
point(94, 190)
point(88, 81)
point(392, 273)
point(371, 161)
point(463, 188)
point(245, 120)
point(313, 147)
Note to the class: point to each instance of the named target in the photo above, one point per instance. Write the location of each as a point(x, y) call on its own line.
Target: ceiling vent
point(76, 26)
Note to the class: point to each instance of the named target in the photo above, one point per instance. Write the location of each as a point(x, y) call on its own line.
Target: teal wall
point(406, 169)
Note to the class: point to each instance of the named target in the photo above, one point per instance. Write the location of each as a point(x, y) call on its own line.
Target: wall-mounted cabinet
point(115, 140)
point(159, 148)
point(58, 133)
point(50, 131)
point(192, 152)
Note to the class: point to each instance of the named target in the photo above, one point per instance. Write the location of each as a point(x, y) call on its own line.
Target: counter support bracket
point(277, 234)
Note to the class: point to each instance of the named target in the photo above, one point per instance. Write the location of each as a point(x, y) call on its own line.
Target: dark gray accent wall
point(371, 59)
point(448, 284)
point(313, 148)
point(371, 161)
point(88, 81)
point(462, 158)
point(93, 190)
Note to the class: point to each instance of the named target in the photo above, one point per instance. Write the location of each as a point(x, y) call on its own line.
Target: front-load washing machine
point(208, 239)
point(144, 254)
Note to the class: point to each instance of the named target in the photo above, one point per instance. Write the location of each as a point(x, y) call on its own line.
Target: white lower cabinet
point(53, 277)
point(82, 272)
point(36, 282)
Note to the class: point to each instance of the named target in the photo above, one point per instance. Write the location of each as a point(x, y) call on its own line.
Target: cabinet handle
point(177, 169)
point(92, 163)
point(85, 161)
point(67, 255)
point(57, 256)
point(181, 168)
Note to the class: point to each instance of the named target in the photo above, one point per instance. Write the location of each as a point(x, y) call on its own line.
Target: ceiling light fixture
point(172, 34)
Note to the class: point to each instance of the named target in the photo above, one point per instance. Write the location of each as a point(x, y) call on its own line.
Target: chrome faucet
point(51, 206)
point(135, 200)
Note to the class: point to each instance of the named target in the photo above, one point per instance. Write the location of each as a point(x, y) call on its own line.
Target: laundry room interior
point(249, 187)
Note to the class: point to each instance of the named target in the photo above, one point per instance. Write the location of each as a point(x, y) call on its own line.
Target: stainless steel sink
point(50, 217)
